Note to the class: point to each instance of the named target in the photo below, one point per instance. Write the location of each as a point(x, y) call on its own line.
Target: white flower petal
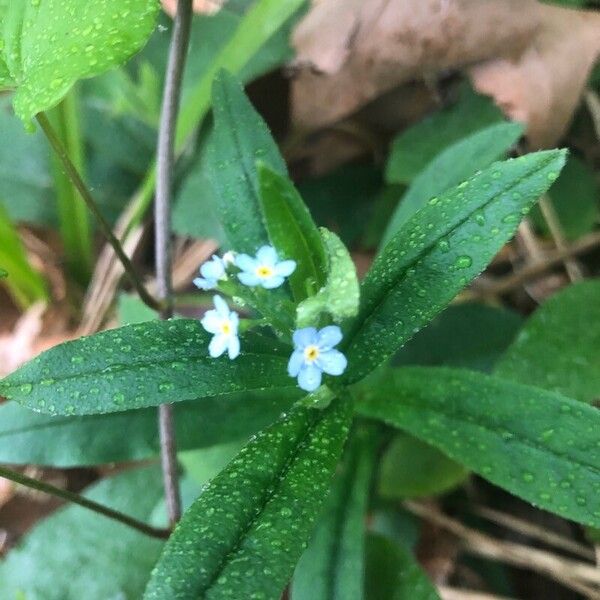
point(333, 362)
point(329, 337)
point(218, 345)
point(285, 268)
point(309, 378)
point(221, 307)
point(245, 262)
point(205, 284)
point(233, 347)
point(295, 363)
point(213, 269)
point(249, 279)
point(211, 321)
point(272, 282)
point(267, 255)
point(304, 337)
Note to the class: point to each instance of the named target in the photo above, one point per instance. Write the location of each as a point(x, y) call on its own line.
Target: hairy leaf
point(454, 164)
point(27, 437)
point(292, 231)
point(536, 444)
point(140, 365)
point(439, 250)
point(244, 534)
point(76, 553)
point(339, 297)
point(332, 567)
point(559, 347)
point(49, 44)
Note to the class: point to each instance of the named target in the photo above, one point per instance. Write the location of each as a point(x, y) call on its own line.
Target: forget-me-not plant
point(212, 271)
point(223, 324)
point(314, 354)
point(265, 269)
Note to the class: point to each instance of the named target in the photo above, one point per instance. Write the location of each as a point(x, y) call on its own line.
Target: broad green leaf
point(538, 445)
point(244, 534)
point(574, 197)
point(558, 349)
point(27, 437)
point(439, 250)
point(292, 231)
point(416, 147)
point(25, 181)
point(240, 138)
point(137, 366)
point(412, 469)
point(393, 573)
point(76, 554)
point(202, 465)
point(469, 335)
point(49, 44)
point(453, 165)
point(332, 567)
point(25, 284)
point(339, 297)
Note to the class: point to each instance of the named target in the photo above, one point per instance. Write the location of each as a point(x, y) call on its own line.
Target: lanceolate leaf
point(539, 445)
point(439, 250)
point(240, 138)
point(332, 567)
point(455, 164)
point(559, 346)
point(27, 437)
point(339, 297)
point(140, 365)
point(77, 553)
point(49, 44)
point(292, 231)
point(243, 536)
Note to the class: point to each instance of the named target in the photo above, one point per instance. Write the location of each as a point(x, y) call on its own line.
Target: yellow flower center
point(311, 353)
point(264, 271)
point(226, 327)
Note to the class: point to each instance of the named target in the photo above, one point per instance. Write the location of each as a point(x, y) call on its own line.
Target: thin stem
point(75, 178)
point(46, 488)
point(162, 215)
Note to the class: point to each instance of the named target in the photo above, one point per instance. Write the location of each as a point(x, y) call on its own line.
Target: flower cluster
point(314, 350)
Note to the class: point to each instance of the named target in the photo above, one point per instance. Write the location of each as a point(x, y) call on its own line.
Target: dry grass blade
point(451, 593)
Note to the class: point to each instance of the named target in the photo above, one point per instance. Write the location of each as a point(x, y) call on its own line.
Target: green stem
point(74, 220)
point(75, 178)
point(46, 488)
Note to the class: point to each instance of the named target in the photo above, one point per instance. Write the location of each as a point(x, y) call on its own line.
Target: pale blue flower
point(223, 324)
point(265, 270)
point(314, 355)
point(212, 271)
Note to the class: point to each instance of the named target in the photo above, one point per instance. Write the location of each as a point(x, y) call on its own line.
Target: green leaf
point(456, 163)
point(574, 197)
point(25, 284)
point(558, 349)
point(538, 445)
point(77, 554)
point(332, 567)
point(240, 138)
point(292, 231)
point(468, 335)
point(244, 534)
point(416, 147)
point(27, 437)
point(340, 295)
point(439, 250)
point(140, 365)
point(393, 573)
point(412, 469)
point(131, 309)
point(50, 44)
point(3, 273)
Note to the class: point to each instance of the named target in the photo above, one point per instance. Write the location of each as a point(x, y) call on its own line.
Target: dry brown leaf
point(533, 58)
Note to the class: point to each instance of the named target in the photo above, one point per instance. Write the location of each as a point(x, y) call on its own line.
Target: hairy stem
point(41, 486)
point(75, 178)
point(165, 154)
